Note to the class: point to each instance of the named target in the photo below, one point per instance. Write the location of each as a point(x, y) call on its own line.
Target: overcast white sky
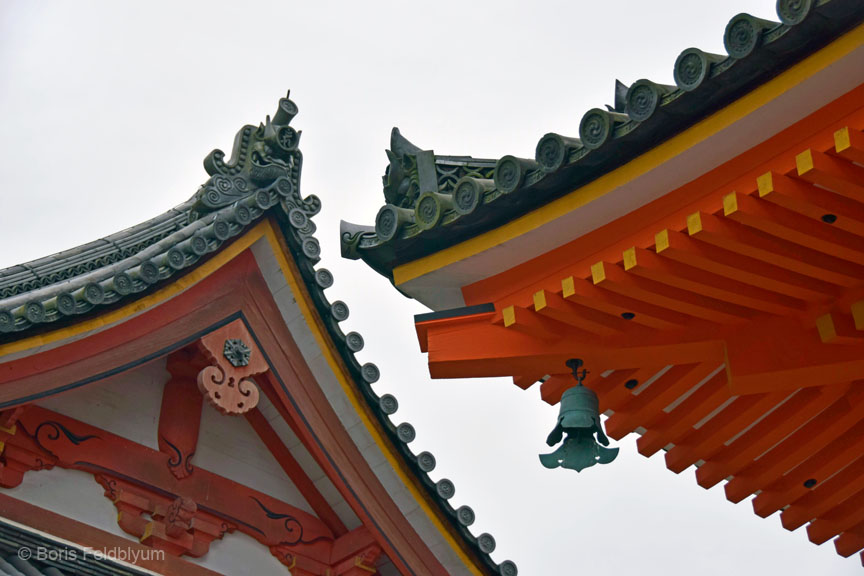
point(108, 108)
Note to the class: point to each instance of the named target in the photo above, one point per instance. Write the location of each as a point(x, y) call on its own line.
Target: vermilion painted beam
point(781, 354)
point(703, 443)
point(78, 445)
point(834, 174)
point(484, 349)
point(647, 408)
point(829, 426)
point(803, 198)
point(837, 520)
point(554, 306)
point(611, 277)
point(849, 144)
point(850, 541)
point(731, 236)
point(295, 472)
point(586, 294)
point(180, 413)
point(677, 423)
point(825, 496)
point(95, 539)
point(787, 418)
point(847, 445)
point(649, 265)
point(838, 329)
point(615, 395)
point(791, 227)
point(681, 248)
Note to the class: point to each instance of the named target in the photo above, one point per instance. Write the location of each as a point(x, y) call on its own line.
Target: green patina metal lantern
point(579, 417)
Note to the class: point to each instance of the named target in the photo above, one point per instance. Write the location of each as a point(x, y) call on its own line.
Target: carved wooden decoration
point(180, 415)
point(234, 359)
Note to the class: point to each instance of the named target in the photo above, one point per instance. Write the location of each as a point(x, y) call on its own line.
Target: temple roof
point(262, 178)
point(434, 202)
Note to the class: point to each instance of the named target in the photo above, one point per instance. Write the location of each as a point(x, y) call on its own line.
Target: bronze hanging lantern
point(579, 417)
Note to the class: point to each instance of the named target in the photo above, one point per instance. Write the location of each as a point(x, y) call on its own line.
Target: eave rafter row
point(734, 342)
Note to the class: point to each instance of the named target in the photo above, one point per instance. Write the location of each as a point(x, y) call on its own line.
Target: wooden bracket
point(234, 359)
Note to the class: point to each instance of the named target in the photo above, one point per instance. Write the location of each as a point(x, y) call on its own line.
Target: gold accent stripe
point(639, 165)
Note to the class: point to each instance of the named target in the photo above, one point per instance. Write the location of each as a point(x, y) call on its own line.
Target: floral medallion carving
point(227, 382)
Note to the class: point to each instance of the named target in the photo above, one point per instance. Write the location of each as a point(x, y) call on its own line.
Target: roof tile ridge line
point(110, 270)
point(761, 38)
point(69, 253)
point(364, 376)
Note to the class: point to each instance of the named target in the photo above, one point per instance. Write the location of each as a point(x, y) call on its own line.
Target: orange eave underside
point(727, 317)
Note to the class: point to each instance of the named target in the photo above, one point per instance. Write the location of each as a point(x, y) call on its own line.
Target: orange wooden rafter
point(773, 428)
point(676, 423)
point(803, 198)
point(703, 443)
point(731, 236)
point(834, 447)
point(646, 408)
point(832, 173)
point(650, 265)
point(815, 435)
point(613, 278)
point(793, 228)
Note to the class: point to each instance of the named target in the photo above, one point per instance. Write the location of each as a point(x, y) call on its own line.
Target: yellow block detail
point(718, 121)
point(858, 314)
point(10, 430)
point(730, 204)
point(661, 240)
point(568, 287)
point(826, 328)
point(598, 273)
point(804, 162)
point(539, 300)
point(765, 182)
point(509, 314)
point(630, 258)
point(842, 140)
point(694, 223)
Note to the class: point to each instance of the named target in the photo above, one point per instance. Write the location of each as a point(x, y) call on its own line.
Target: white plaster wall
point(229, 446)
point(125, 404)
point(326, 378)
point(240, 555)
point(70, 493)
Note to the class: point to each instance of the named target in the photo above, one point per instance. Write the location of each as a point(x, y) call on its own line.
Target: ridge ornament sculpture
point(579, 417)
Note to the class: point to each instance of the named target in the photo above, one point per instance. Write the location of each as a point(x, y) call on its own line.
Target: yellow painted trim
point(332, 356)
point(804, 162)
point(730, 204)
point(842, 140)
point(826, 329)
point(661, 240)
point(598, 272)
point(718, 121)
point(540, 300)
point(694, 223)
point(509, 314)
point(630, 258)
point(765, 183)
point(149, 301)
point(858, 314)
point(568, 287)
